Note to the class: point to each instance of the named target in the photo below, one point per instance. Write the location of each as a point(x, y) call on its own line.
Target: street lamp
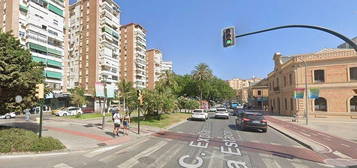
point(104, 81)
point(306, 113)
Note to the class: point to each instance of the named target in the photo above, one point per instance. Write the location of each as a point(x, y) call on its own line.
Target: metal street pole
point(105, 103)
point(306, 92)
point(138, 119)
point(41, 115)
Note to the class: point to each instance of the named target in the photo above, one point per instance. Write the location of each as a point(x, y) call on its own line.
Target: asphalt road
point(215, 143)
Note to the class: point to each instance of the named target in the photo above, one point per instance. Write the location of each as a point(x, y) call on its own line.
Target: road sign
point(99, 89)
point(18, 99)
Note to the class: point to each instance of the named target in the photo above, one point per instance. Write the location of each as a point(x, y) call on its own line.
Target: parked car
point(199, 114)
point(251, 120)
point(221, 113)
point(69, 111)
point(213, 109)
point(8, 115)
point(88, 110)
point(237, 112)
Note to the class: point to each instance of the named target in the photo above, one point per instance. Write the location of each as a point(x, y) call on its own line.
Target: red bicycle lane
point(340, 148)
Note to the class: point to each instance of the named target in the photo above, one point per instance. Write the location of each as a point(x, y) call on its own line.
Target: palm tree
point(167, 80)
point(125, 87)
point(202, 73)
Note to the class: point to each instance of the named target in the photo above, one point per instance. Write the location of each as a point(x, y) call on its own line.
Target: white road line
point(32, 155)
point(62, 165)
point(269, 163)
point(134, 160)
point(165, 157)
point(296, 165)
point(325, 165)
point(215, 160)
point(304, 134)
point(274, 143)
point(100, 151)
point(339, 154)
point(109, 158)
point(348, 146)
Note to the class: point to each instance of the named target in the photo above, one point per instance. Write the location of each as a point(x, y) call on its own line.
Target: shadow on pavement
point(110, 133)
point(24, 125)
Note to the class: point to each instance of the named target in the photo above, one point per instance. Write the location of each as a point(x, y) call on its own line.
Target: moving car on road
point(8, 115)
point(69, 111)
point(199, 114)
point(251, 120)
point(221, 113)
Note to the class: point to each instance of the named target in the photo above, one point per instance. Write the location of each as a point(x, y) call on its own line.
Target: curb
point(306, 142)
point(296, 140)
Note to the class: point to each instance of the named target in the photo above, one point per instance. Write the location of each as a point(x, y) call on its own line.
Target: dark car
point(251, 120)
point(236, 112)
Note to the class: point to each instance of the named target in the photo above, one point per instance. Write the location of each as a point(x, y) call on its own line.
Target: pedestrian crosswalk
point(160, 153)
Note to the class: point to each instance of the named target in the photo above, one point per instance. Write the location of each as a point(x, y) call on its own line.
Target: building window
point(291, 104)
point(290, 79)
point(259, 92)
point(353, 104)
point(286, 104)
point(319, 75)
point(353, 73)
point(320, 104)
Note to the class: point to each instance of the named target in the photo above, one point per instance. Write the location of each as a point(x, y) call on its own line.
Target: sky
point(188, 32)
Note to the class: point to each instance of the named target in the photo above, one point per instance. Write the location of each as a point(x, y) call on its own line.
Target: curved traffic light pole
point(344, 38)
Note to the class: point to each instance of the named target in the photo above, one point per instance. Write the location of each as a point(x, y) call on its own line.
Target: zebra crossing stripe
point(134, 160)
point(62, 165)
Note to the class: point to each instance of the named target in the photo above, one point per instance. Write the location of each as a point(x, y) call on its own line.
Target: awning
point(24, 8)
point(55, 9)
point(54, 51)
point(37, 47)
point(38, 59)
point(54, 63)
point(51, 74)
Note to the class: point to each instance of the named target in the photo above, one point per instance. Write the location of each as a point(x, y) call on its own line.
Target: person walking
point(126, 122)
point(117, 121)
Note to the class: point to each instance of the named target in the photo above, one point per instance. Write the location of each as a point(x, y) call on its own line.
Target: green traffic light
point(229, 41)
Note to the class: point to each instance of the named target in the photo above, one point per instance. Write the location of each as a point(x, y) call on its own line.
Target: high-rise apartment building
point(154, 59)
point(94, 37)
point(166, 66)
point(40, 26)
point(237, 83)
point(133, 62)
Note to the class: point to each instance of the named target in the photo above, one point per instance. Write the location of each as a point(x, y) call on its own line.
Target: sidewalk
point(333, 138)
point(79, 135)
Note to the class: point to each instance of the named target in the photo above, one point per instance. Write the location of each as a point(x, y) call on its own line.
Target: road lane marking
point(216, 160)
point(168, 155)
point(346, 145)
point(62, 165)
point(304, 134)
point(100, 151)
point(299, 165)
point(269, 163)
point(128, 148)
point(134, 160)
point(33, 155)
point(341, 155)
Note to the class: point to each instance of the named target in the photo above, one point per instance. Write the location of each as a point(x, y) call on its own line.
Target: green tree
point(77, 96)
point(202, 73)
point(128, 94)
point(18, 75)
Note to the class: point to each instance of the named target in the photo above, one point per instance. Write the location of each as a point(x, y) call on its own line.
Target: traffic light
point(40, 91)
point(140, 96)
point(229, 37)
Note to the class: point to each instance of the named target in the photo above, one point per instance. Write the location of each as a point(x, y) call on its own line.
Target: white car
point(213, 109)
point(8, 115)
point(221, 113)
point(69, 111)
point(199, 114)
